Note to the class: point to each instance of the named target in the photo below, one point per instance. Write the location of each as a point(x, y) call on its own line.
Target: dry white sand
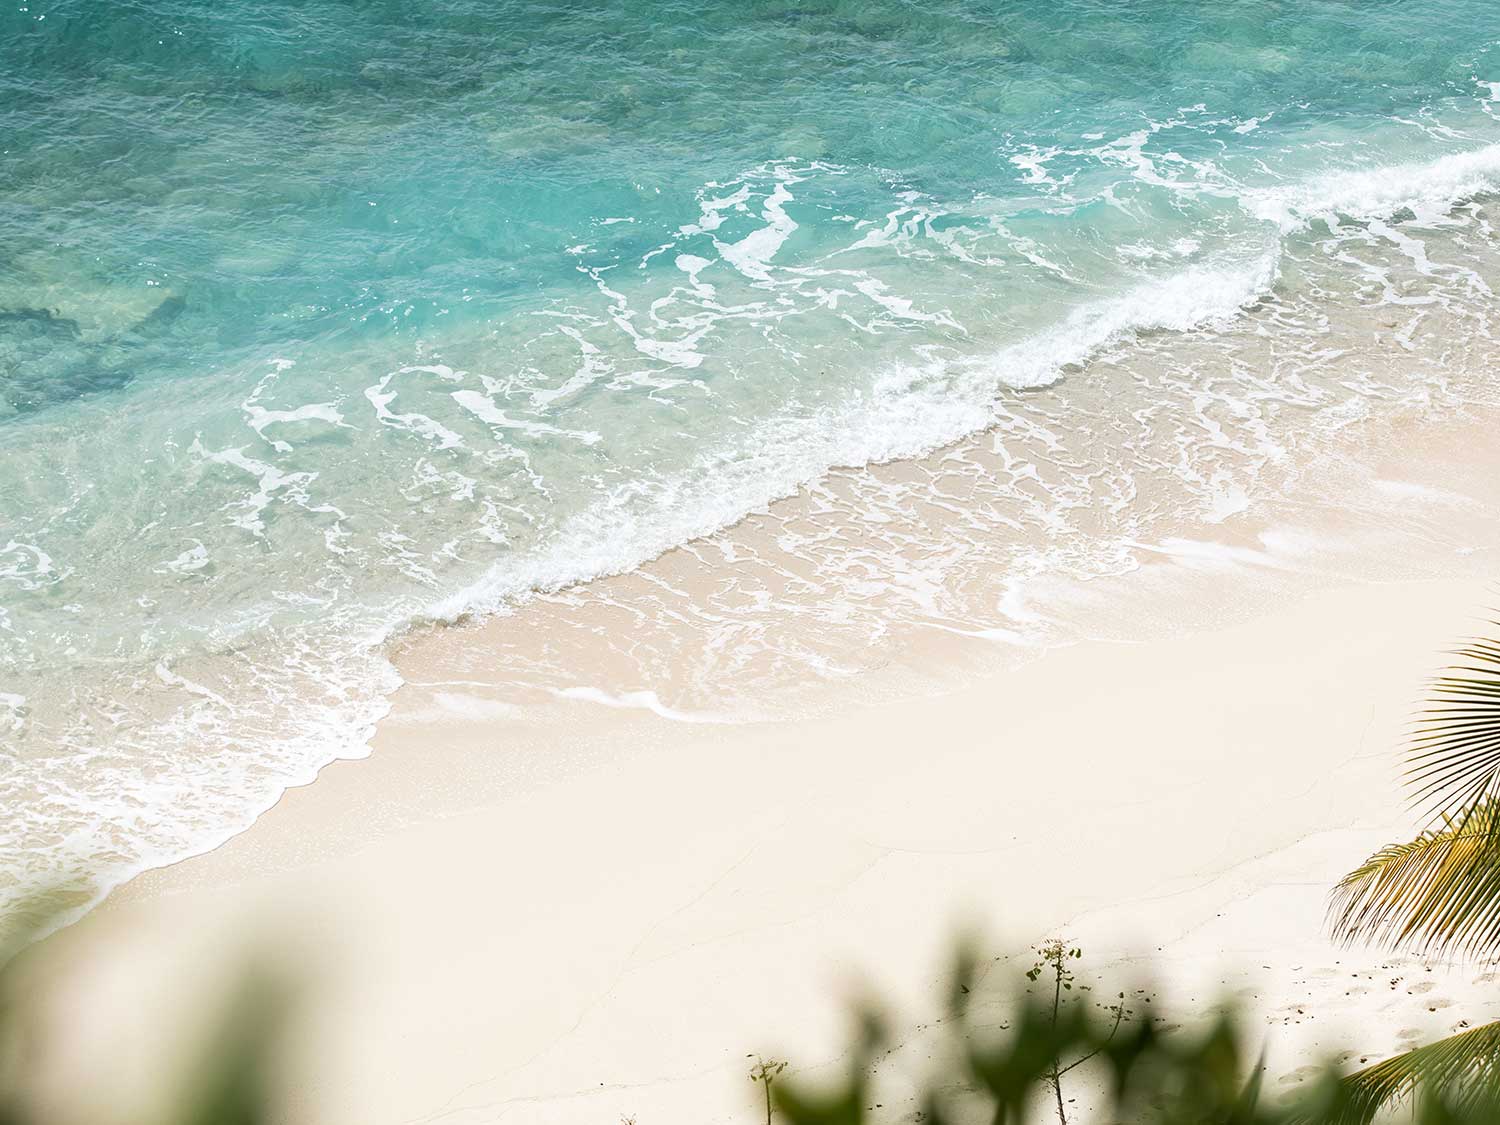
point(579, 914)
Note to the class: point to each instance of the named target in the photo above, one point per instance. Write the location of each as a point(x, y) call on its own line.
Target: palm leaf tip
point(1439, 892)
point(1463, 1070)
point(1455, 747)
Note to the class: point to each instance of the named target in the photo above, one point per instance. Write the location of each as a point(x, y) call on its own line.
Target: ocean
point(321, 321)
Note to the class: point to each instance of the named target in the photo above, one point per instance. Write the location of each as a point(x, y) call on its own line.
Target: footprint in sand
point(1435, 1004)
point(1419, 989)
point(1301, 1074)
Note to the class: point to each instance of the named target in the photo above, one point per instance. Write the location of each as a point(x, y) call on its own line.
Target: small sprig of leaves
point(766, 1071)
point(1055, 961)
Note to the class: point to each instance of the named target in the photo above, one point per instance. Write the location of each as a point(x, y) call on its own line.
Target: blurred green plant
point(232, 1080)
point(1144, 1070)
point(1147, 1072)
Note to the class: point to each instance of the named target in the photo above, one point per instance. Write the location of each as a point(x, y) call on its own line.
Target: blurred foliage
point(1146, 1071)
point(1143, 1070)
point(231, 1081)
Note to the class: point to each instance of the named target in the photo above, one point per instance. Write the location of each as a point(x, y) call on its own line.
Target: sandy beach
point(579, 913)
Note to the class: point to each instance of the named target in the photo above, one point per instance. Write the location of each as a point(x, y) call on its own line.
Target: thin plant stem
point(1057, 972)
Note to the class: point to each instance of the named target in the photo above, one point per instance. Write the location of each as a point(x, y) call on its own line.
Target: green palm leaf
point(1462, 1068)
point(1440, 892)
point(1455, 748)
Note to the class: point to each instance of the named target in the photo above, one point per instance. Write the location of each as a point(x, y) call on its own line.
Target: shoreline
point(900, 574)
point(595, 911)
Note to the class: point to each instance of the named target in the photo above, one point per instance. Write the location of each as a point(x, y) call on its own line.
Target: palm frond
point(1455, 748)
point(1461, 1069)
point(1439, 893)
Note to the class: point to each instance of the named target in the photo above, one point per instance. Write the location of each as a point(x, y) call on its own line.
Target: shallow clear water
point(318, 320)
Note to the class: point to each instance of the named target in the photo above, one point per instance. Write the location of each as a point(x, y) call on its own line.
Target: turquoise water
point(318, 319)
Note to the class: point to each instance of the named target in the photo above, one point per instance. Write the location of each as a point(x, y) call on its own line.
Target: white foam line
point(413, 422)
point(258, 417)
point(1376, 193)
point(171, 678)
point(12, 713)
point(1187, 299)
point(997, 634)
point(642, 700)
point(483, 407)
